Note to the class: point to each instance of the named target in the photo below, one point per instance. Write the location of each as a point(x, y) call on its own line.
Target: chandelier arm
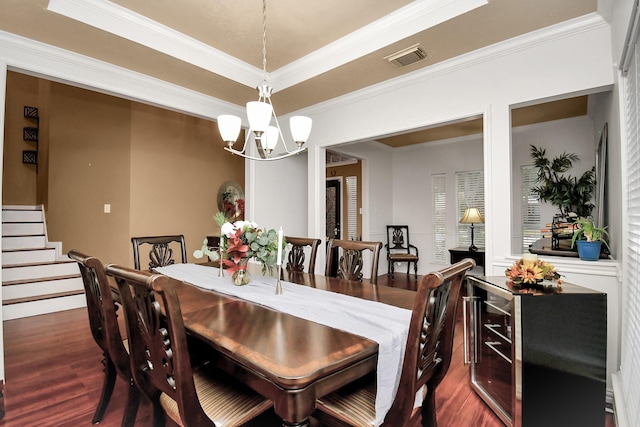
point(280, 135)
point(267, 159)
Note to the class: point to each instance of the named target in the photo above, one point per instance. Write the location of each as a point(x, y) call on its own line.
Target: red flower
point(237, 251)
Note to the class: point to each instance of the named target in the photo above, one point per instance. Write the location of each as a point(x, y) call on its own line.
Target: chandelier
point(259, 114)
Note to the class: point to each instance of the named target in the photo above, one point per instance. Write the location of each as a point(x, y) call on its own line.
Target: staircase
point(36, 277)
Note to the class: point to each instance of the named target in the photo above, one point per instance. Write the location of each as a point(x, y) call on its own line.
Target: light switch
point(107, 208)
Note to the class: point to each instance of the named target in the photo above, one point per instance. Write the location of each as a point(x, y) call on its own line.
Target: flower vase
point(241, 276)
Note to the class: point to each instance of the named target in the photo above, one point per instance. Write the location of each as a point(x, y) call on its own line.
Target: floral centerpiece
point(529, 272)
point(242, 240)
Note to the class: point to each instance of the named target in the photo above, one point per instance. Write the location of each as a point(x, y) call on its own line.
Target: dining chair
point(296, 257)
point(399, 249)
point(161, 252)
point(106, 333)
point(162, 370)
point(426, 359)
point(349, 259)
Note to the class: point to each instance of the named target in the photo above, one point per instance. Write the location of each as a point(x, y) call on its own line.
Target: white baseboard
point(619, 404)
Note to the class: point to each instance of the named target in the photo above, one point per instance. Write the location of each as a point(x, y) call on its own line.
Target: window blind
point(469, 194)
point(530, 207)
point(630, 351)
point(352, 207)
point(439, 215)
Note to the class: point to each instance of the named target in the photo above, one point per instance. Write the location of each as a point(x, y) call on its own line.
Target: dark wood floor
point(53, 377)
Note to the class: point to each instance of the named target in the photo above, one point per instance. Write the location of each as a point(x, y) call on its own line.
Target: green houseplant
point(568, 193)
point(589, 238)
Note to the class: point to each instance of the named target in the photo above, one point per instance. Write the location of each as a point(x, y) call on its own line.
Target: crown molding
point(415, 17)
point(122, 22)
point(45, 61)
point(589, 22)
point(400, 24)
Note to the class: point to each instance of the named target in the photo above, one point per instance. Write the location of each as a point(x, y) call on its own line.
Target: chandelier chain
point(264, 40)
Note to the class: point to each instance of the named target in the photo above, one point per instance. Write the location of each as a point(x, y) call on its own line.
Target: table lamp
point(471, 216)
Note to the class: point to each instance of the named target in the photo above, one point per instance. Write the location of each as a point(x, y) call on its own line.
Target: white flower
point(228, 229)
point(244, 225)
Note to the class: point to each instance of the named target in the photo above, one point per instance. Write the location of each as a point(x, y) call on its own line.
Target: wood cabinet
point(537, 357)
point(460, 253)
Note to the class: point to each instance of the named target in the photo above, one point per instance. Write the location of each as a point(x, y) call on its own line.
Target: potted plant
point(568, 193)
point(589, 239)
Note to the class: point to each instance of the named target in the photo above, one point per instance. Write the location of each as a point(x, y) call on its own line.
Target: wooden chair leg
point(159, 416)
point(131, 410)
point(107, 388)
point(429, 409)
point(415, 269)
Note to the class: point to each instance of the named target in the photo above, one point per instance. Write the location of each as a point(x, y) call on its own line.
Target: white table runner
point(385, 324)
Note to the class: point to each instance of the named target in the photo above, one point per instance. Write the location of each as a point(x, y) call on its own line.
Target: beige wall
point(177, 166)
point(19, 183)
point(159, 170)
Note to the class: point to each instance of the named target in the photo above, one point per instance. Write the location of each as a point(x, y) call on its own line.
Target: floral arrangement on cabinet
point(240, 241)
point(530, 271)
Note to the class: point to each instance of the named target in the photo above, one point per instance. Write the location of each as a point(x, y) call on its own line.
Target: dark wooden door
point(333, 217)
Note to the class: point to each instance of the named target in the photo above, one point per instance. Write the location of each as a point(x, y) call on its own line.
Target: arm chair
point(160, 359)
point(426, 359)
point(161, 253)
point(399, 249)
point(350, 260)
point(296, 258)
point(104, 328)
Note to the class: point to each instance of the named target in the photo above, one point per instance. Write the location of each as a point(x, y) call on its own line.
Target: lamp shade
point(300, 128)
point(471, 216)
point(229, 127)
point(259, 115)
point(270, 138)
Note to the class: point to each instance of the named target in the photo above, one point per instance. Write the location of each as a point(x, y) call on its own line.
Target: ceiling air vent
point(407, 56)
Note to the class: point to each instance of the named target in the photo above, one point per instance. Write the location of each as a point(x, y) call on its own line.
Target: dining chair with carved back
point(161, 250)
point(161, 364)
point(350, 260)
point(399, 249)
point(426, 360)
point(106, 332)
point(297, 257)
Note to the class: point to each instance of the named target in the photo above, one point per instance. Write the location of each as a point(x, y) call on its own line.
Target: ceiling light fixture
point(259, 114)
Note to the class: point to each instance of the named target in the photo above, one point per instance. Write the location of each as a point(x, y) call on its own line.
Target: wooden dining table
point(290, 360)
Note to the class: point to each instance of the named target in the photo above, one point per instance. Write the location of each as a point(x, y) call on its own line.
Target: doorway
point(334, 207)
point(333, 217)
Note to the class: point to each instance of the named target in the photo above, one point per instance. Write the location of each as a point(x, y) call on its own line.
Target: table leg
point(295, 408)
point(304, 423)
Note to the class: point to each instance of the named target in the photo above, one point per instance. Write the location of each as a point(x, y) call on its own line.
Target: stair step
point(31, 289)
point(38, 270)
point(41, 297)
point(35, 281)
point(43, 306)
point(23, 242)
point(64, 261)
point(28, 256)
point(23, 229)
point(38, 280)
point(21, 215)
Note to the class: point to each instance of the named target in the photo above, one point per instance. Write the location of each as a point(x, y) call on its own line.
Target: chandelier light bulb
point(300, 129)
point(229, 128)
point(270, 138)
point(259, 115)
